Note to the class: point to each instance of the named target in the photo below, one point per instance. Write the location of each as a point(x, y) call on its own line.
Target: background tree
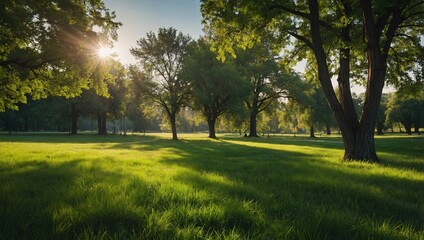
point(49, 47)
point(50, 114)
point(217, 86)
point(267, 80)
point(409, 111)
point(138, 91)
point(315, 112)
point(289, 116)
point(326, 31)
point(161, 56)
point(381, 115)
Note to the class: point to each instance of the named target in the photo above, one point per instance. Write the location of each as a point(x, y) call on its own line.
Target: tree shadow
point(258, 191)
point(40, 200)
point(294, 187)
point(80, 138)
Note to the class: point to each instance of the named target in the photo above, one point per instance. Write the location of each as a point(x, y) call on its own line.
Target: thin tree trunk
point(312, 132)
point(172, 118)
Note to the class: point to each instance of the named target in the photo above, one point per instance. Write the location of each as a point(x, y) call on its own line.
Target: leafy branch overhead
point(44, 41)
point(350, 41)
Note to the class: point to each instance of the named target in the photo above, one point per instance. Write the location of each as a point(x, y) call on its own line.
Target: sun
point(104, 52)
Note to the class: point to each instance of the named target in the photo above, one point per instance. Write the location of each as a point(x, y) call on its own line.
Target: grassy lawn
point(148, 187)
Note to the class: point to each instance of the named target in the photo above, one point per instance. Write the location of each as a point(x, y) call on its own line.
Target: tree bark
point(252, 123)
point(312, 132)
point(211, 125)
point(347, 131)
point(358, 139)
point(74, 118)
point(172, 118)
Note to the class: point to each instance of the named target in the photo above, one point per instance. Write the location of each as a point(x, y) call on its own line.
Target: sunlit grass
point(149, 187)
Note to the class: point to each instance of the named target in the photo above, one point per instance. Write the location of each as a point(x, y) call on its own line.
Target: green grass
point(148, 187)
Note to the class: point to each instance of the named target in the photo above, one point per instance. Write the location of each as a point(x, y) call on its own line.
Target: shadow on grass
point(79, 138)
point(40, 200)
point(256, 192)
point(314, 198)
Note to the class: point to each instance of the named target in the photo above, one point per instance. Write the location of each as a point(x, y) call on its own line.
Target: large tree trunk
point(252, 122)
point(74, 118)
point(172, 118)
point(358, 139)
point(211, 125)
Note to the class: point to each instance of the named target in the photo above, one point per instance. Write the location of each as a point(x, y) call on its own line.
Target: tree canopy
point(161, 57)
point(50, 47)
point(217, 87)
point(343, 39)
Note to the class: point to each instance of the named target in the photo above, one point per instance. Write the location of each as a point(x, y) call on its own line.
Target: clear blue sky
point(141, 16)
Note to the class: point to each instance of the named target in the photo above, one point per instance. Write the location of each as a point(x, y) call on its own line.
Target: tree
point(216, 86)
point(137, 90)
point(315, 110)
point(289, 118)
point(50, 114)
point(409, 111)
point(325, 31)
point(381, 115)
point(267, 80)
point(161, 57)
point(49, 47)
point(108, 71)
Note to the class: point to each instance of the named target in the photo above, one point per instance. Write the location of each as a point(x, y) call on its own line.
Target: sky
point(142, 16)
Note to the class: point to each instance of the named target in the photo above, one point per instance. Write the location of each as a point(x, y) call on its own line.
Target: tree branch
point(301, 38)
point(302, 15)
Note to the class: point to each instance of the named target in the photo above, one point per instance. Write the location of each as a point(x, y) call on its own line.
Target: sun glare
point(104, 52)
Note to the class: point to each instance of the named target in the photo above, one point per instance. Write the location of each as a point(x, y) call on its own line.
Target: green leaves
point(47, 47)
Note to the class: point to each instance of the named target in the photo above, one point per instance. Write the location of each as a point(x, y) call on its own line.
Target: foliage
point(49, 48)
point(50, 114)
point(406, 110)
point(381, 115)
point(267, 79)
point(161, 56)
point(217, 87)
point(338, 39)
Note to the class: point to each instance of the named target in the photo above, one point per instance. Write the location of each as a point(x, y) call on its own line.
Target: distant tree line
point(51, 48)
